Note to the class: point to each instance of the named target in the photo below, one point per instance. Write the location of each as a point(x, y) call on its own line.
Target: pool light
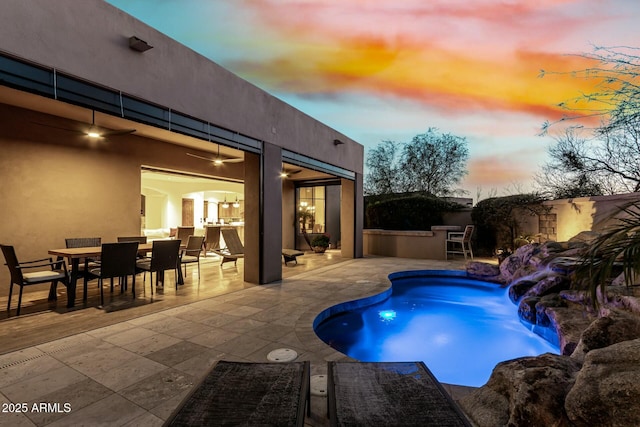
point(387, 315)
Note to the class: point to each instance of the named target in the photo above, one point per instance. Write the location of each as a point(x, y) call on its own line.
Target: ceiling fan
point(218, 160)
point(287, 172)
point(92, 131)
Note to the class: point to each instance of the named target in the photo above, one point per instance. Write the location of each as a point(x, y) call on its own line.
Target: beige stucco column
point(263, 216)
point(351, 217)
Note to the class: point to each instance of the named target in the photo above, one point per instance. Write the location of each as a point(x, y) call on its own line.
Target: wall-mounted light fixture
point(337, 142)
point(139, 45)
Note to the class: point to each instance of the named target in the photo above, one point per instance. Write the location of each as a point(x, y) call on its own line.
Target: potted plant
point(320, 243)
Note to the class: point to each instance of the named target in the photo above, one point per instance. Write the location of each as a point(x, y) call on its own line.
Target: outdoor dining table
point(74, 255)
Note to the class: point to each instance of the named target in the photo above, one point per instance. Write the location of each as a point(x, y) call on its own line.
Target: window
point(311, 209)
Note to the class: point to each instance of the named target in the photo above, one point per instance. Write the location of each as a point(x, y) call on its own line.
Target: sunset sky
point(389, 69)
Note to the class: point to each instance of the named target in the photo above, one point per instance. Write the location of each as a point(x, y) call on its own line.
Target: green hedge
point(498, 221)
point(413, 212)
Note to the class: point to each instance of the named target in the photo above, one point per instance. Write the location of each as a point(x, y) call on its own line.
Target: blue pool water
point(461, 328)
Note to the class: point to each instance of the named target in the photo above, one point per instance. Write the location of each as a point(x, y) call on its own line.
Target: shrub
point(410, 212)
point(497, 221)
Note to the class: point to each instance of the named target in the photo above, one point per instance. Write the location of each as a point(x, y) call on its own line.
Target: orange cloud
point(493, 171)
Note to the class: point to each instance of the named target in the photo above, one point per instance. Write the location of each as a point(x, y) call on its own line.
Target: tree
point(606, 159)
point(565, 176)
point(382, 162)
point(432, 162)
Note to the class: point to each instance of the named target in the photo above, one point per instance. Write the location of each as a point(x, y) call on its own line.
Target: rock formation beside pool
point(596, 378)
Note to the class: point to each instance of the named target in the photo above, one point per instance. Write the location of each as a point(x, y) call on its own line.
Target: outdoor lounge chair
point(388, 394)
point(459, 243)
point(291, 255)
point(233, 246)
point(248, 394)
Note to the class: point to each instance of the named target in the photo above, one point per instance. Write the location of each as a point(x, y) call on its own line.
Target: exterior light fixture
point(139, 45)
point(337, 142)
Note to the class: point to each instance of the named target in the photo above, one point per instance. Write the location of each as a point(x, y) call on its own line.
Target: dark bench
point(251, 394)
point(290, 255)
point(389, 393)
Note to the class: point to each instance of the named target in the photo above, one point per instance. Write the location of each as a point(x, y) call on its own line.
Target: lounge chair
point(248, 394)
point(388, 393)
point(291, 255)
point(233, 246)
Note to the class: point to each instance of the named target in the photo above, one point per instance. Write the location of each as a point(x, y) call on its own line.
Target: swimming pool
point(460, 327)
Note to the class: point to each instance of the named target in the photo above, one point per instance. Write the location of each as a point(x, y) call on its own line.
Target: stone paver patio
point(135, 372)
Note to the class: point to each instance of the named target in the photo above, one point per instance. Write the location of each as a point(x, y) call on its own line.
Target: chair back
point(12, 262)
point(468, 232)
point(83, 242)
point(164, 254)
point(118, 259)
point(212, 236)
point(194, 246)
point(232, 241)
point(139, 239)
point(184, 233)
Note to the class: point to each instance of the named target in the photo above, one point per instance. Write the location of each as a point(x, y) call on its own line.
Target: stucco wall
point(580, 214)
point(405, 244)
point(89, 39)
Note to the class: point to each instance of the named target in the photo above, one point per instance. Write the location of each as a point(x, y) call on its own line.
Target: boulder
point(548, 285)
point(549, 248)
point(527, 309)
point(509, 266)
point(484, 271)
point(552, 300)
point(526, 252)
point(585, 237)
point(607, 388)
point(569, 323)
point(615, 327)
point(528, 391)
point(621, 280)
point(524, 272)
point(518, 289)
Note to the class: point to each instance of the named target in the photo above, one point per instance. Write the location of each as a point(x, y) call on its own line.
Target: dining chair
point(183, 233)
point(191, 254)
point(117, 260)
point(57, 272)
point(84, 264)
point(164, 256)
point(463, 239)
point(140, 239)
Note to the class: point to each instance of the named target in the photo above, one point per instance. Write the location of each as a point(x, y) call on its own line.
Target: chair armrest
point(54, 264)
point(37, 260)
point(455, 234)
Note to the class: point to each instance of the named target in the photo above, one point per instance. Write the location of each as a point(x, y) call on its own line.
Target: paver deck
point(136, 370)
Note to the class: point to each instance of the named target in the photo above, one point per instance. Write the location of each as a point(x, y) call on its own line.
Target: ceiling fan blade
point(118, 132)
point(79, 132)
point(232, 160)
point(200, 157)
